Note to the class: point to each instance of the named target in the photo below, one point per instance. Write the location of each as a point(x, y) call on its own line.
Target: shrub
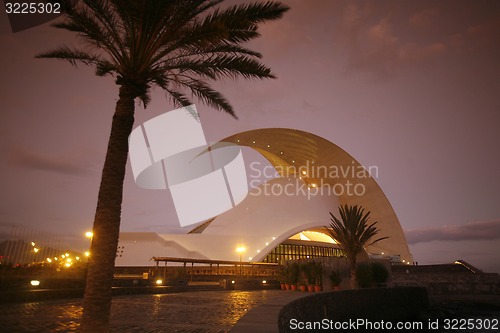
point(371, 274)
point(379, 272)
point(364, 275)
point(335, 278)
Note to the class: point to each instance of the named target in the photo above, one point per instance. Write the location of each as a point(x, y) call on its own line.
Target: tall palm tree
point(353, 233)
point(178, 45)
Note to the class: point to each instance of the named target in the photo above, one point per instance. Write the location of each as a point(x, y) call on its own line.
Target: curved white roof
point(284, 206)
point(329, 168)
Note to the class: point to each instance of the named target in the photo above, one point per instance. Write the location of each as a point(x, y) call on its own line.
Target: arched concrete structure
point(317, 172)
point(330, 168)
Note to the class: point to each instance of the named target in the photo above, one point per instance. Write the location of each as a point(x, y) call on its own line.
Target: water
point(202, 311)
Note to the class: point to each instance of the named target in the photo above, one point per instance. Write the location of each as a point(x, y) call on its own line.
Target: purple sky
point(412, 87)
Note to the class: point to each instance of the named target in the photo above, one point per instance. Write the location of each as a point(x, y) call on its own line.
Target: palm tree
point(178, 45)
point(353, 233)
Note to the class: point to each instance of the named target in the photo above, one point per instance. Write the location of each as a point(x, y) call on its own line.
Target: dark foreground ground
point(464, 308)
point(201, 311)
point(204, 311)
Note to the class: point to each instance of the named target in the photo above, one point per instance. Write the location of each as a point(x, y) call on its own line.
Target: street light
point(240, 250)
point(35, 249)
point(89, 235)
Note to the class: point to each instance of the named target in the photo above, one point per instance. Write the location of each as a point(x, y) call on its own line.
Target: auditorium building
point(283, 218)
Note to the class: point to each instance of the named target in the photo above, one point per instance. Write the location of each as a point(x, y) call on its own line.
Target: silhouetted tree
point(353, 233)
point(177, 45)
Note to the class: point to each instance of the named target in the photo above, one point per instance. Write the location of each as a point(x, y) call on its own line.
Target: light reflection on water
point(237, 304)
point(156, 305)
point(70, 315)
point(216, 311)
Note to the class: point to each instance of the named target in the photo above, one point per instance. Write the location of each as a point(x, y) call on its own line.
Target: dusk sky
point(412, 87)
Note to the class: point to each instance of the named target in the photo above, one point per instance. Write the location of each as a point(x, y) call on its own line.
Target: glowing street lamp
point(35, 249)
point(240, 250)
point(89, 235)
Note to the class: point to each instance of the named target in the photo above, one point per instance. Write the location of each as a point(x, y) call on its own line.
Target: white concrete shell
point(266, 218)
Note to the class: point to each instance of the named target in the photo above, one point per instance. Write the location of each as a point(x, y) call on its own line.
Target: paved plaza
point(201, 311)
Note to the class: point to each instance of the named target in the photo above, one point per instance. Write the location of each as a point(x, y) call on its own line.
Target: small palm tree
point(177, 45)
point(353, 233)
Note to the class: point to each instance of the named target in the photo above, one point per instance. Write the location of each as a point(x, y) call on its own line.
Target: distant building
point(28, 245)
point(284, 218)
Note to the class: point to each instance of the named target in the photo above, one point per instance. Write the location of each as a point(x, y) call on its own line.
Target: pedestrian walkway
point(264, 317)
point(188, 312)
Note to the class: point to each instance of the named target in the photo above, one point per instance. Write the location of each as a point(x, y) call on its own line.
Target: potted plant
point(364, 275)
point(294, 275)
point(281, 276)
point(303, 278)
point(308, 270)
point(317, 268)
point(335, 279)
point(286, 276)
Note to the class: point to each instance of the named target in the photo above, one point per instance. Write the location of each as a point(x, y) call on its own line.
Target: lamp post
point(35, 249)
point(240, 250)
point(89, 235)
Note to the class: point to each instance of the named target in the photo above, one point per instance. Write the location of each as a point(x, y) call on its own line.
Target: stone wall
point(447, 279)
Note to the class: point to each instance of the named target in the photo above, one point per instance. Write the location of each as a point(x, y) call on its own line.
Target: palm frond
point(103, 12)
point(256, 12)
point(220, 66)
point(352, 231)
point(207, 95)
point(169, 43)
point(178, 97)
point(234, 25)
point(86, 23)
point(73, 56)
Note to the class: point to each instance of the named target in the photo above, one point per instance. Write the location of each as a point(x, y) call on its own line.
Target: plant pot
point(317, 288)
point(336, 288)
point(293, 286)
point(310, 288)
point(283, 287)
point(287, 286)
point(303, 288)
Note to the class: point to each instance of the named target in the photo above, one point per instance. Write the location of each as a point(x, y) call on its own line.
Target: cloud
point(376, 43)
point(34, 160)
point(423, 19)
point(478, 230)
point(382, 40)
point(412, 53)
point(483, 35)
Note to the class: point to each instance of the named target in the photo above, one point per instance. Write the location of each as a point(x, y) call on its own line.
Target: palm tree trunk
point(353, 273)
point(97, 298)
point(353, 278)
